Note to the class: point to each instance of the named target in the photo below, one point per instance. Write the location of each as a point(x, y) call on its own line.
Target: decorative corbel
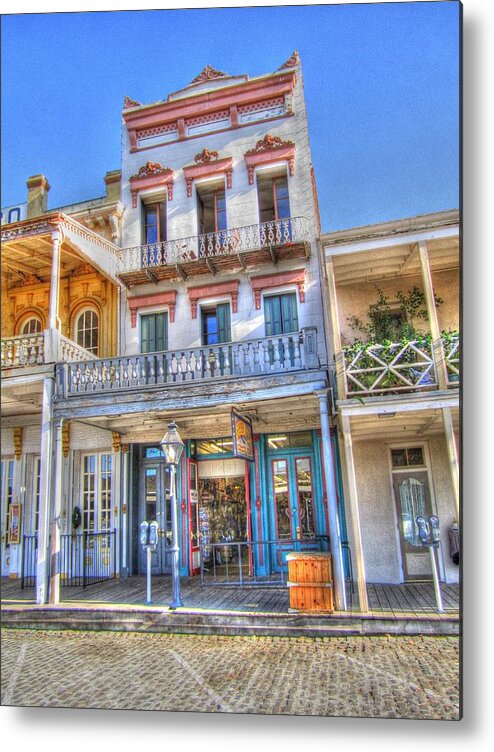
point(116, 441)
point(65, 438)
point(18, 431)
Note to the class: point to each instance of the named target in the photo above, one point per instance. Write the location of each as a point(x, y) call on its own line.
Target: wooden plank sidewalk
point(414, 598)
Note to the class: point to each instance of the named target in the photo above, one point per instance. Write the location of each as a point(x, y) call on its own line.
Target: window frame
point(94, 349)
point(99, 493)
point(265, 178)
point(205, 311)
point(159, 204)
point(205, 189)
point(287, 294)
point(28, 321)
point(148, 314)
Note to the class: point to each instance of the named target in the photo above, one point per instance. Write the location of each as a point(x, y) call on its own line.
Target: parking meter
point(423, 530)
point(153, 534)
point(144, 533)
point(434, 522)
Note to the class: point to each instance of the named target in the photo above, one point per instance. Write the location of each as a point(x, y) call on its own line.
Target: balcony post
point(55, 523)
point(453, 457)
point(354, 512)
point(53, 320)
point(311, 358)
point(437, 344)
point(42, 563)
point(335, 326)
point(334, 523)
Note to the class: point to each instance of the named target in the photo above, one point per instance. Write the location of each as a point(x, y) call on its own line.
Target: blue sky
point(381, 83)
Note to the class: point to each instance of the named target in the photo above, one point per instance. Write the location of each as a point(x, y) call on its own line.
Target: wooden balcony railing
point(239, 240)
point(270, 355)
point(37, 349)
point(398, 367)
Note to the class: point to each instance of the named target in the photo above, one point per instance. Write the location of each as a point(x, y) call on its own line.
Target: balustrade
point(225, 242)
point(269, 355)
point(23, 350)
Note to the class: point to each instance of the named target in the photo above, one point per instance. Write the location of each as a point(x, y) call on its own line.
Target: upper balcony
point(227, 250)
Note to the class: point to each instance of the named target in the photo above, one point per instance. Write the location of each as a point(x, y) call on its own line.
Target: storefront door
point(154, 504)
point(291, 501)
point(412, 497)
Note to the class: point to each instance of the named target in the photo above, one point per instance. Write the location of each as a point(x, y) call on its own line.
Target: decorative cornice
point(150, 175)
point(209, 168)
point(265, 281)
point(168, 298)
point(208, 73)
point(65, 438)
point(205, 156)
point(292, 61)
point(268, 143)
point(18, 431)
point(128, 103)
point(270, 149)
point(84, 268)
point(211, 291)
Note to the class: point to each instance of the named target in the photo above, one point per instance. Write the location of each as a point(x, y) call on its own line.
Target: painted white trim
point(377, 243)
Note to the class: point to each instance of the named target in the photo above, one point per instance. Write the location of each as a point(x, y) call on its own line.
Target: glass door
point(155, 505)
point(292, 505)
point(195, 548)
point(412, 498)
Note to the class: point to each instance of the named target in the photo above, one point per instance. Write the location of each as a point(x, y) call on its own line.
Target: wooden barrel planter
point(310, 581)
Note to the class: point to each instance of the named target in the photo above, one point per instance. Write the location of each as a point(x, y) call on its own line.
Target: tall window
point(273, 198)
point(280, 314)
point(154, 332)
point(216, 326)
point(212, 210)
point(7, 489)
point(154, 222)
point(87, 330)
point(96, 492)
point(31, 326)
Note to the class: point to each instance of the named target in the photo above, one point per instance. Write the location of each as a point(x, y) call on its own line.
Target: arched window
point(87, 330)
point(31, 326)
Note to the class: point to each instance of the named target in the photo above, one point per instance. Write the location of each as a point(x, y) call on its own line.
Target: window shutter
point(289, 313)
point(224, 324)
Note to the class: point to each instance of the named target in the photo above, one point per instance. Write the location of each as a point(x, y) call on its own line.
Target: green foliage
point(385, 326)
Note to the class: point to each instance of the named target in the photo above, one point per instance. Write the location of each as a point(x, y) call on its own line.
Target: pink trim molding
point(208, 167)
point(270, 149)
point(210, 291)
point(295, 277)
point(161, 298)
point(151, 175)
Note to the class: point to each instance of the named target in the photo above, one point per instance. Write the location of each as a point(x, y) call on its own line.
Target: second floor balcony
point(399, 367)
point(268, 356)
point(40, 349)
point(226, 250)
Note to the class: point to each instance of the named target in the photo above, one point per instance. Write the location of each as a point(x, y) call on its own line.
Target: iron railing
point(29, 560)
point(238, 240)
point(87, 558)
point(240, 563)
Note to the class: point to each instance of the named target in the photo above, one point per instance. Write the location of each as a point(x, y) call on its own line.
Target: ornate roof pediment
point(292, 61)
point(208, 73)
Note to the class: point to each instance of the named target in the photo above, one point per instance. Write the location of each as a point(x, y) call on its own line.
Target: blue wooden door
point(155, 505)
point(291, 497)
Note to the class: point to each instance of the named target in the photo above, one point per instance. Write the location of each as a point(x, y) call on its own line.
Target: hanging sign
point(243, 441)
point(14, 534)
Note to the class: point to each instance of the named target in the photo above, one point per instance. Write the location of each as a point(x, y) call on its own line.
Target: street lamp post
point(173, 446)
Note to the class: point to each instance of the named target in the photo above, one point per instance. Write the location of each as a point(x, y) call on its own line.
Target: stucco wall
point(354, 300)
point(378, 519)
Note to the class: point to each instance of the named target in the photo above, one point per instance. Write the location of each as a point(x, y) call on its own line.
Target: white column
point(53, 320)
point(437, 345)
point(354, 513)
point(453, 457)
point(335, 326)
point(117, 503)
point(334, 523)
point(56, 520)
point(42, 564)
point(124, 509)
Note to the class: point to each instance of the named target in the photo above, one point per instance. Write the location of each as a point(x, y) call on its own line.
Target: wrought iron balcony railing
point(238, 240)
point(269, 355)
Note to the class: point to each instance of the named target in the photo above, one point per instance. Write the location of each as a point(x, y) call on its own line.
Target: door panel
point(412, 498)
point(155, 505)
point(195, 548)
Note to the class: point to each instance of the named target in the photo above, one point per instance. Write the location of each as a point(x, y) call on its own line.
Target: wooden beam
point(437, 345)
point(180, 271)
point(411, 257)
point(453, 458)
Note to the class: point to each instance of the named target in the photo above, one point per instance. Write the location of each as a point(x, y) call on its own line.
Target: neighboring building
point(192, 292)
point(397, 402)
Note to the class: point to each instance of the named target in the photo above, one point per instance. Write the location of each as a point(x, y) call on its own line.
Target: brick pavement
point(386, 677)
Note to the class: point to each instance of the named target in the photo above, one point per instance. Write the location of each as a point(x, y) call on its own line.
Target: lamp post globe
point(173, 447)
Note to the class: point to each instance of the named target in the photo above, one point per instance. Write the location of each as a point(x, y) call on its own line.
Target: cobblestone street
point(385, 677)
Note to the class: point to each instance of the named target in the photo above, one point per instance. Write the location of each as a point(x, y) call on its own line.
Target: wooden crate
point(310, 582)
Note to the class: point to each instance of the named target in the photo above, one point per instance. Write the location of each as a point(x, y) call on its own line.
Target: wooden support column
point(56, 517)
point(42, 562)
point(354, 513)
point(453, 457)
point(335, 326)
point(334, 523)
point(124, 512)
point(437, 345)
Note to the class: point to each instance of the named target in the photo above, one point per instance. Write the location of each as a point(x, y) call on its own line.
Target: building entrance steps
point(120, 605)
